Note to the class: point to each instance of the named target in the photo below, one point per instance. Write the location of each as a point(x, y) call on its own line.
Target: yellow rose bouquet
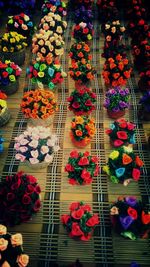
point(54, 23)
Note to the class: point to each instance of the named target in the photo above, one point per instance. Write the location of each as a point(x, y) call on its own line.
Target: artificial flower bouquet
point(47, 46)
point(82, 130)
point(136, 11)
point(82, 101)
point(79, 51)
point(4, 111)
point(82, 168)
point(81, 222)
point(121, 132)
point(12, 253)
point(130, 218)
point(123, 166)
point(1, 143)
point(36, 146)
point(60, 8)
point(54, 23)
point(83, 32)
point(82, 71)
point(141, 54)
point(82, 14)
point(144, 82)
point(107, 10)
point(9, 74)
point(45, 75)
point(113, 30)
point(144, 109)
point(18, 6)
point(19, 198)
point(116, 101)
point(138, 30)
point(39, 105)
point(116, 71)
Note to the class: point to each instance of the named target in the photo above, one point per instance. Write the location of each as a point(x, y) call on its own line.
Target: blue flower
point(126, 221)
point(112, 126)
point(119, 172)
point(50, 72)
point(30, 23)
point(132, 139)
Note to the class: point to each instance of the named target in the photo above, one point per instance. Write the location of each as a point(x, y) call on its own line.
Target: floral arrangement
point(144, 82)
point(36, 145)
point(136, 11)
point(86, 3)
point(60, 8)
point(141, 54)
point(45, 74)
point(144, 111)
point(19, 198)
point(80, 223)
point(107, 10)
point(113, 30)
point(12, 253)
point(12, 42)
point(138, 30)
point(123, 166)
point(121, 132)
point(83, 31)
point(38, 104)
point(82, 71)
point(79, 51)
point(22, 24)
point(18, 6)
point(82, 14)
point(82, 130)
point(81, 167)
point(1, 143)
point(116, 71)
point(112, 49)
point(9, 72)
point(130, 218)
point(54, 23)
point(47, 46)
point(82, 101)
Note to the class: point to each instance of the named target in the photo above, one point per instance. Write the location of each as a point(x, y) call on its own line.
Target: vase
point(11, 88)
point(4, 116)
point(37, 166)
point(42, 122)
point(17, 57)
point(81, 143)
point(115, 115)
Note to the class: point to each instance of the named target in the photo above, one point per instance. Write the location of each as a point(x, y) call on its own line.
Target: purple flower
point(127, 91)
point(134, 264)
point(122, 104)
point(106, 103)
point(126, 221)
point(122, 92)
point(115, 109)
point(131, 201)
point(112, 92)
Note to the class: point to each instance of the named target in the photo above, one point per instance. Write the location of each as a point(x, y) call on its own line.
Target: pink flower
point(44, 150)
point(33, 160)
point(34, 153)
point(17, 146)
point(23, 149)
point(20, 157)
point(118, 143)
point(48, 158)
point(23, 142)
point(75, 105)
point(33, 143)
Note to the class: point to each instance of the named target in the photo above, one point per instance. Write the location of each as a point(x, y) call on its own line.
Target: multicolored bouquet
point(18, 6)
point(144, 110)
point(113, 30)
point(38, 104)
point(144, 82)
point(19, 198)
point(12, 253)
point(130, 218)
point(123, 166)
point(1, 143)
point(138, 30)
point(54, 23)
point(82, 14)
point(45, 74)
point(141, 54)
point(116, 71)
point(36, 144)
point(80, 223)
point(80, 50)
point(82, 101)
point(82, 167)
point(60, 8)
point(82, 130)
point(47, 46)
point(121, 132)
point(22, 24)
point(83, 31)
point(12, 42)
point(82, 71)
point(116, 101)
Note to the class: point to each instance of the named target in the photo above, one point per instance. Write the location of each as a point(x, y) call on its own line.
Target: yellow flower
point(17, 38)
point(106, 169)
point(41, 74)
point(79, 120)
point(12, 40)
point(89, 36)
point(18, 47)
point(25, 44)
point(5, 49)
point(3, 104)
point(12, 78)
point(114, 155)
point(12, 49)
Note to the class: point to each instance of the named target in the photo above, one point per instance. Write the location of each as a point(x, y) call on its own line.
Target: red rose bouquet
point(82, 101)
point(60, 9)
point(83, 32)
point(130, 218)
point(107, 10)
point(138, 30)
point(11, 249)
point(123, 166)
point(19, 198)
point(111, 50)
point(81, 167)
point(121, 132)
point(136, 11)
point(81, 222)
point(144, 82)
point(54, 23)
point(141, 53)
point(79, 51)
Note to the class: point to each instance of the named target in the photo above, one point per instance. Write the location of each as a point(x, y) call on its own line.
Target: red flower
point(5, 74)
point(86, 176)
point(145, 218)
point(130, 126)
point(93, 95)
point(16, 185)
point(77, 214)
point(83, 161)
point(86, 237)
point(136, 174)
point(97, 170)
point(93, 221)
point(31, 179)
point(123, 125)
point(76, 231)
point(72, 181)
point(75, 105)
point(65, 218)
point(138, 161)
point(132, 212)
point(122, 135)
point(69, 168)
point(38, 189)
point(86, 154)
point(30, 189)
point(118, 143)
point(141, 22)
point(74, 206)
point(85, 30)
point(108, 131)
point(88, 103)
point(74, 154)
point(10, 196)
point(95, 159)
point(26, 200)
point(37, 205)
point(86, 207)
point(70, 98)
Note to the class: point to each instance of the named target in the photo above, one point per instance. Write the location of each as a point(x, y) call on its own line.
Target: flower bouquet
point(83, 32)
point(36, 146)
point(141, 54)
point(116, 71)
point(19, 198)
point(60, 8)
point(113, 31)
point(82, 101)
point(136, 12)
point(123, 166)
point(86, 3)
point(45, 75)
point(40, 106)
point(12, 253)
point(80, 50)
point(9, 73)
point(82, 130)
point(138, 30)
point(82, 14)
point(4, 111)
point(81, 168)
point(80, 223)
point(144, 109)
point(121, 132)
point(54, 23)
point(18, 6)
point(12, 46)
point(116, 101)
point(1, 143)
point(47, 46)
point(107, 10)
point(111, 50)
point(130, 218)
point(144, 82)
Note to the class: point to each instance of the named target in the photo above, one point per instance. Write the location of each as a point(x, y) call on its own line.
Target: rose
point(74, 206)
point(85, 207)
point(30, 189)
point(16, 240)
point(118, 143)
point(16, 185)
point(136, 174)
point(37, 205)
point(122, 135)
point(26, 200)
point(86, 176)
point(83, 161)
point(31, 179)
point(131, 201)
point(126, 221)
point(76, 231)
point(37, 189)
point(145, 218)
point(3, 229)
point(132, 212)
point(23, 260)
point(3, 244)
point(65, 218)
point(93, 221)
point(69, 168)
point(10, 196)
point(77, 214)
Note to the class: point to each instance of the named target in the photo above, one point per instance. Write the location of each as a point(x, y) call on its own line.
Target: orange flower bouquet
point(39, 106)
point(82, 130)
point(79, 51)
point(116, 71)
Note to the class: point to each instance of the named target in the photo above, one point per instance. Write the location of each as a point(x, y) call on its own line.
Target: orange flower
point(73, 125)
point(119, 57)
point(45, 116)
point(78, 73)
point(43, 110)
point(125, 61)
point(86, 48)
point(126, 159)
point(121, 66)
point(79, 46)
point(80, 54)
point(34, 116)
point(71, 73)
point(83, 61)
point(90, 76)
point(79, 120)
point(112, 66)
point(91, 132)
point(138, 161)
point(88, 66)
point(78, 133)
point(111, 60)
point(121, 80)
point(3, 96)
point(127, 74)
point(89, 57)
point(114, 83)
point(45, 101)
point(116, 75)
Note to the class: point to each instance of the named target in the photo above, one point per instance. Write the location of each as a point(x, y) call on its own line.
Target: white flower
point(127, 149)
point(48, 158)
point(24, 142)
point(33, 143)
point(122, 29)
point(33, 160)
point(117, 22)
point(26, 18)
point(20, 157)
point(107, 26)
point(34, 153)
point(44, 149)
point(50, 143)
point(126, 182)
point(82, 24)
point(23, 149)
